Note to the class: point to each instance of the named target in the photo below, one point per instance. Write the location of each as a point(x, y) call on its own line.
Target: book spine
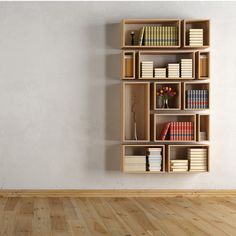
point(153, 36)
point(187, 130)
point(206, 99)
point(197, 99)
point(171, 130)
point(145, 35)
point(188, 98)
point(152, 41)
point(184, 131)
point(176, 130)
point(191, 129)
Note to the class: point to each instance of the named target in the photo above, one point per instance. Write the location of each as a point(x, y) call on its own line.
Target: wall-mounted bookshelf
point(136, 114)
point(165, 96)
point(157, 101)
point(166, 60)
point(154, 33)
point(188, 158)
point(138, 159)
point(203, 127)
point(198, 31)
point(196, 95)
point(203, 65)
point(182, 127)
point(128, 65)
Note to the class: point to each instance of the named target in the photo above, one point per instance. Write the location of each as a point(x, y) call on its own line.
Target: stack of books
point(134, 163)
point(203, 66)
point(197, 99)
point(186, 68)
point(173, 70)
point(147, 69)
point(197, 159)
point(160, 73)
point(154, 159)
point(195, 37)
point(182, 131)
point(158, 36)
point(178, 165)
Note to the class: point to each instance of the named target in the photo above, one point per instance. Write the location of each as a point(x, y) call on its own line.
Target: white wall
point(59, 94)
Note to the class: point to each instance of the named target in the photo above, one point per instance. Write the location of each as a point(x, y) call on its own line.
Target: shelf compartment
point(128, 65)
point(180, 152)
point(160, 120)
point(140, 150)
point(174, 102)
point(199, 98)
point(161, 59)
point(135, 105)
point(203, 65)
point(135, 25)
point(203, 127)
point(196, 24)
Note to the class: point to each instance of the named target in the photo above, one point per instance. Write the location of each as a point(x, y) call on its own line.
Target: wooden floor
point(118, 216)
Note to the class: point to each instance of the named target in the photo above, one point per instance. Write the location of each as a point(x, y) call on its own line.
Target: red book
point(187, 131)
point(174, 131)
point(178, 131)
point(165, 131)
point(184, 131)
point(171, 130)
point(191, 130)
point(181, 130)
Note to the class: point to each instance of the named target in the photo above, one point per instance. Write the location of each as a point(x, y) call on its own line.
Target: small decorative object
point(166, 93)
point(132, 37)
point(134, 118)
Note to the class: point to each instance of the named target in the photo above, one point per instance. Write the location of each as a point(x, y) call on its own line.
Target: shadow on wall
point(112, 68)
point(103, 72)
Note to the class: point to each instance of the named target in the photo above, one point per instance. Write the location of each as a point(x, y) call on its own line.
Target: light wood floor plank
point(57, 216)
point(207, 223)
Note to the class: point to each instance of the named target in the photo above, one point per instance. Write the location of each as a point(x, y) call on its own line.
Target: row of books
point(197, 99)
point(154, 157)
point(195, 37)
point(197, 159)
point(152, 161)
point(158, 36)
point(178, 131)
point(174, 70)
point(178, 165)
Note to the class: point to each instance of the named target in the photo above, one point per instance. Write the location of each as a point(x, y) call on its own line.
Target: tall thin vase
point(165, 103)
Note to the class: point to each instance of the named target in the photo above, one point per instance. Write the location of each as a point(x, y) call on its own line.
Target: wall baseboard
point(117, 193)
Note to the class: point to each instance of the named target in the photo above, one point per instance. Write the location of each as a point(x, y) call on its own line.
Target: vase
point(165, 103)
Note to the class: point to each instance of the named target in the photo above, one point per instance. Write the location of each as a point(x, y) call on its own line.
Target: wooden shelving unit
point(159, 120)
point(196, 24)
point(137, 150)
point(163, 58)
point(174, 104)
point(179, 152)
point(135, 25)
point(128, 65)
point(203, 65)
point(135, 99)
point(144, 117)
point(197, 85)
